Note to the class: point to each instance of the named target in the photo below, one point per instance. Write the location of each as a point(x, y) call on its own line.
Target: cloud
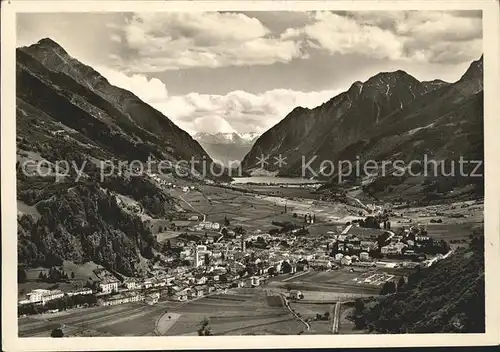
point(236, 111)
point(426, 36)
point(175, 40)
point(342, 35)
point(116, 38)
point(150, 90)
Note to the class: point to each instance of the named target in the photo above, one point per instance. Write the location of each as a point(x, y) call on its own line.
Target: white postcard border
point(11, 342)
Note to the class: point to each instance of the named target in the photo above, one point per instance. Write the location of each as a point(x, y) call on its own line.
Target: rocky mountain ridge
point(66, 112)
point(390, 116)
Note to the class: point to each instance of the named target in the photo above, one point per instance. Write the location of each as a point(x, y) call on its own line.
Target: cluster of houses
point(166, 184)
point(249, 260)
point(208, 226)
point(128, 297)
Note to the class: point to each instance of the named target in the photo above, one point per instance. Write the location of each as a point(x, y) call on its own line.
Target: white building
point(83, 291)
point(132, 284)
point(109, 285)
point(122, 298)
point(43, 296)
point(346, 260)
point(199, 256)
point(152, 298)
point(255, 281)
point(206, 225)
point(185, 253)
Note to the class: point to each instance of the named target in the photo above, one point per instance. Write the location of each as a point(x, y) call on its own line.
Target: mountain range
point(228, 148)
point(391, 116)
point(67, 111)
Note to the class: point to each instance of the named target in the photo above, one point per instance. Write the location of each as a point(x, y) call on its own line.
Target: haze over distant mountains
point(226, 147)
point(390, 116)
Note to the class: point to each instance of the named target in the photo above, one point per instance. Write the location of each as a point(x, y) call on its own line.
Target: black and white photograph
point(254, 172)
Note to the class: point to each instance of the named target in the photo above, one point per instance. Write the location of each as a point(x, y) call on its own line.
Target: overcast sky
point(243, 72)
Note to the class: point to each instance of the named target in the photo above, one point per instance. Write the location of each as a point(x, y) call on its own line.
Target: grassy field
point(131, 319)
point(23, 208)
point(308, 312)
point(82, 273)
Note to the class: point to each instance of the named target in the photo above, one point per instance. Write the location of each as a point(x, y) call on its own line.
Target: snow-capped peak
point(226, 137)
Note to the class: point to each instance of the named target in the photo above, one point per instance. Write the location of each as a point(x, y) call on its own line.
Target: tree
point(57, 333)
point(72, 275)
point(42, 276)
point(204, 329)
point(401, 283)
point(286, 267)
point(359, 306)
point(370, 222)
point(388, 287)
point(21, 274)
point(207, 259)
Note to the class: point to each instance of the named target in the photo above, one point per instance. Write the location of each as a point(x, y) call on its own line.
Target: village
point(210, 258)
point(227, 251)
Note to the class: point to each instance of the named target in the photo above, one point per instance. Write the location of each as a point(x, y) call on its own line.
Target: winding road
point(287, 305)
point(194, 209)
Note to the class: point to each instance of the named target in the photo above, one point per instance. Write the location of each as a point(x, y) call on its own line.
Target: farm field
point(473, 213)
point(257, 211)
point(241, 209)
point(131, 319)
point(451, 231)
point(334, 284)
point(242, 311)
